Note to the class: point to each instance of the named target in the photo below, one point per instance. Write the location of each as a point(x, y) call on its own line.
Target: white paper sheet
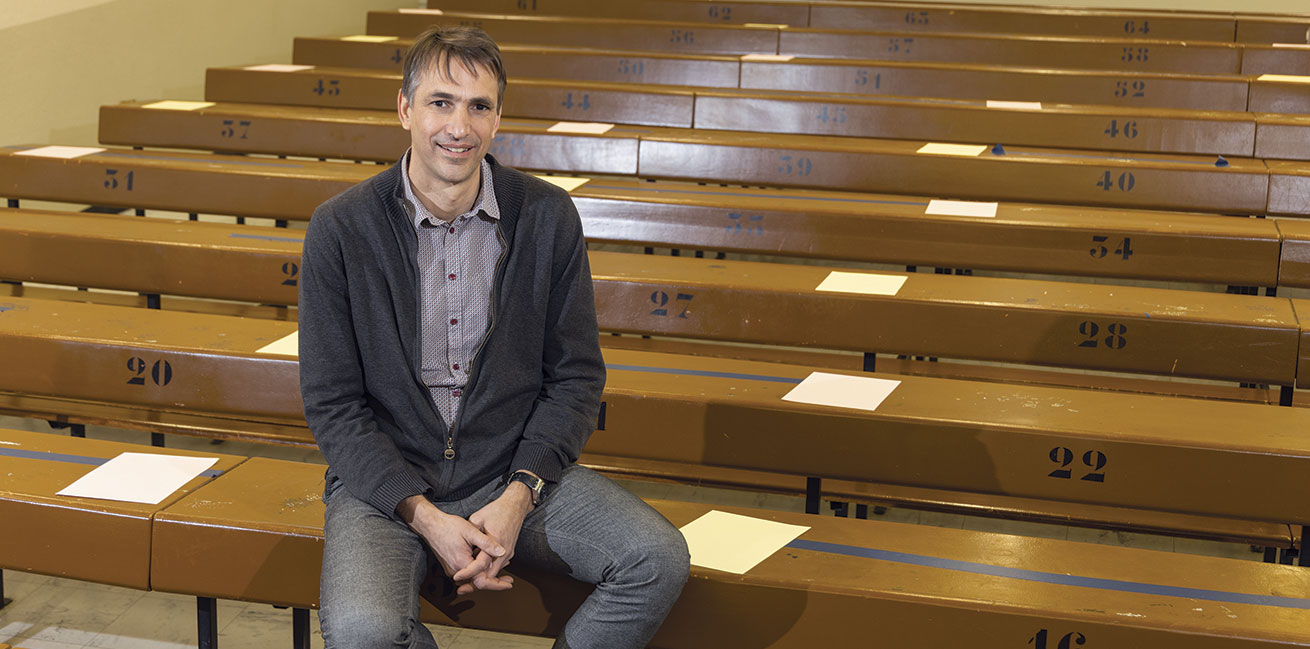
point(173, 104)
point(286, 346)
point(842, 391)
point(735, 543)
point(839, 281)
point(569, 183)
point(940, 207)
point(65, 152)
point(582, 128)
point(434, 12)
point(1285, 78)
point(138, 477)
point(1300, 46)
point(953, 149)
point(278, 67)
point(369, 38)
point(1022, 105)
point(779, 58)
point(767, 25)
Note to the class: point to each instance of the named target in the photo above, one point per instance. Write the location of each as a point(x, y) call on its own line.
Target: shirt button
point(452, 275)
point(452, 230)
point(454, 321)
point(454, 393)
point(455, 366)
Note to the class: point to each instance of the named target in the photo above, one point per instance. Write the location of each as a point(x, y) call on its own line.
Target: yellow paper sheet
point(1285, 78)
point(286, 346)
point(433, 12)
point(569, 183)
point(581, 128)
point(953, 149)
point(940, 207)
point(172, 104)
point(778, 58)
point(842, 391)
point(369, 38)
point(866, 283)
point(735, 543)
point(55, 151)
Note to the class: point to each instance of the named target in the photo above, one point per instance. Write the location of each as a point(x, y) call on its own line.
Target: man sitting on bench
point(451, 373)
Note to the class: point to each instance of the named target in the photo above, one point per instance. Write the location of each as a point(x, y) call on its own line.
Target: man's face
point(451, 121)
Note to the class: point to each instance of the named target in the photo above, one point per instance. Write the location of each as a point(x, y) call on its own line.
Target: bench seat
point(255, 530)
point(112, 540)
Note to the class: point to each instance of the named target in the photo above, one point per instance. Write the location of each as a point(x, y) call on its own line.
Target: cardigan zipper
point(491, 323)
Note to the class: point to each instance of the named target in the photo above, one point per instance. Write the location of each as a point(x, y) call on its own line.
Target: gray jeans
point(373, 566)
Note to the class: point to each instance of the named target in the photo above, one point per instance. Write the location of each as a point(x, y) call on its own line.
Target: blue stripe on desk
point(73, 459)
point(265, 237)
point(865, 201)
point(717, 375)
point(1051, 577)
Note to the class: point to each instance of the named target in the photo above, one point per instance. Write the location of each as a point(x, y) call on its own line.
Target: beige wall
point(61, 59)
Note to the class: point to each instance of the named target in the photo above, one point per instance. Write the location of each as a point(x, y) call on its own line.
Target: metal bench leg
point(840, 509)
point(1300, 559)
point(812, 495)
point(1285, 395)
point(862, 511)
point(207, 622)
point(157, 439)
point(870, 361)
point(300, 628)
point(4, 601)
point(1271, 555)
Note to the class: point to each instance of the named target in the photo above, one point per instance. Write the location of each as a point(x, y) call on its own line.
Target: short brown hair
point(469, 45)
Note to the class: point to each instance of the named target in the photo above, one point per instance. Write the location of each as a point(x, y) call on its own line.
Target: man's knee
point(366, 628)
point(660, 561)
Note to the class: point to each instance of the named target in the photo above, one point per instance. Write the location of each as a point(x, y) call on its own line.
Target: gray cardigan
point(534, 385)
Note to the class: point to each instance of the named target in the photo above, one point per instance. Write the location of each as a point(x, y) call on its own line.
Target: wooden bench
point(820, 588)
point(991, 49)
point(796, 14)
point(798, 223)
point(944, 434)
point(873, 165)
point(112, 540)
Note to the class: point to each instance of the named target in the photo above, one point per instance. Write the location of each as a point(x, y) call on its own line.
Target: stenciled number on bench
point(397, 56)
point(1092, 331)
point(1125, 181)
point(111, 179)
point(632, 68)
point(1067, 641)
point(682, 37)
point(510, 148)
point(1128, 131)
point(916, 18)
point(1099, 250)
point(862, 79)
point(900, 45)
point(752, 223)
point(661, 301)
point(720, 13)
point(1135, 54)
point(1094, 460)
point(1130, 88)
point(530, 5)
point(583, 104)
point(332, 89)
point(161, 372)
point(231, 128)
point(291, 271)
point(834, 114)
point(1131, 27)
point(799, 167)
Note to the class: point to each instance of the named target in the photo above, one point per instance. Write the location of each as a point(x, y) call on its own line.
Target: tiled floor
point(53, 613)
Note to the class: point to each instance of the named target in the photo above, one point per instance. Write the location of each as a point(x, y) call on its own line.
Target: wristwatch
point(532, 482)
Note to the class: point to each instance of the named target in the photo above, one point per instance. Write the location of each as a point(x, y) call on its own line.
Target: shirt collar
point(485, 202)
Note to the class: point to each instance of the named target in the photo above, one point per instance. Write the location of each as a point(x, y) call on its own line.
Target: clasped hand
point(472, 552)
